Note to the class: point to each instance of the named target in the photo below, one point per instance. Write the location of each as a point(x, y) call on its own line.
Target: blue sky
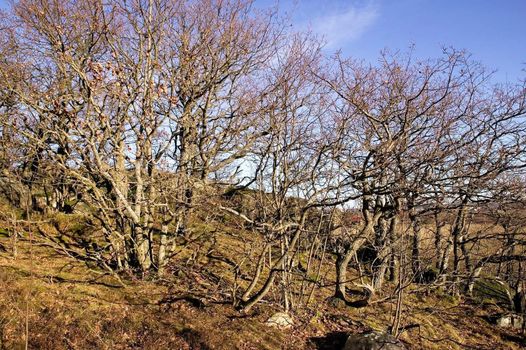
point(494, 31)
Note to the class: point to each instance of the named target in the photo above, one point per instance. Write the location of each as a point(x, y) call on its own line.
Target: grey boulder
point(373, 341)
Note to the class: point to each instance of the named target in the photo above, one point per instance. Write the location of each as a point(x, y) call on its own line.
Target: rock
point(492, 290)
point(510, 320)
point(280, 320)
point(373, 341)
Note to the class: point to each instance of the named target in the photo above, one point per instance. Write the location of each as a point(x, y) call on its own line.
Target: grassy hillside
point(62, 303)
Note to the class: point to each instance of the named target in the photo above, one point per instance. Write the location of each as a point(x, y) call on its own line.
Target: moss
point(313, 278)
point(73, 224)
point(488, 290)
point(4, 232)
point(39, 194)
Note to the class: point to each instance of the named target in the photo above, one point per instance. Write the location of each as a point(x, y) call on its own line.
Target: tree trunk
point(439, 230)
point(343, 261)
point(247, 305)
point(393, 259)
point(161, 255)
point(257, 273)
point(457, 232)
point(382, 259)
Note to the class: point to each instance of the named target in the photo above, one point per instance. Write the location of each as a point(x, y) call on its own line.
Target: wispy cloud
point(342, 27)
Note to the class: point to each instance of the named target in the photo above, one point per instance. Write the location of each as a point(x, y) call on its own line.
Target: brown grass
point(69, 306)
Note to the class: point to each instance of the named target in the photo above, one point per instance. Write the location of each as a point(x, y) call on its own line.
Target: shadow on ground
point(194, 339)
point(330, 341)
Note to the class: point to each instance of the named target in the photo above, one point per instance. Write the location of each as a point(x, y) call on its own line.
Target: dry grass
point(69, 306)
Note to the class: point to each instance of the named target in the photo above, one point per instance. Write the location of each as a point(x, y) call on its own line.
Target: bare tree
point(399, 119)
point(133, 90)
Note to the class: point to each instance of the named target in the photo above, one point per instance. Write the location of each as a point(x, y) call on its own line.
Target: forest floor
point(60, 303)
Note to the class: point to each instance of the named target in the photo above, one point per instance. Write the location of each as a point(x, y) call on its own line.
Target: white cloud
point(343, 27)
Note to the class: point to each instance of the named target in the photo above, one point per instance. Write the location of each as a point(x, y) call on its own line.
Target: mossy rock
point(73, 224)
point(489, 289)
